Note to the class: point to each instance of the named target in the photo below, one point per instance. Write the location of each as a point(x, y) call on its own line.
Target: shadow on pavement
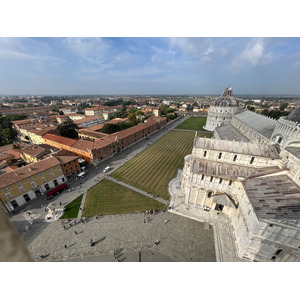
point(100, 240)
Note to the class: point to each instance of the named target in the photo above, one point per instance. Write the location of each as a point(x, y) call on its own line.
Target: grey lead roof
point(229, 132)
point(263, 125)
point(294, 150)
point(262, 150)
point(276, 197)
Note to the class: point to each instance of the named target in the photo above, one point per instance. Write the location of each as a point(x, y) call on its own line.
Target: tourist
point(66, 246)
point(75, 232)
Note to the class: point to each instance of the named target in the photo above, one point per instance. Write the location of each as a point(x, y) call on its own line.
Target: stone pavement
point(180, 239)
point(223, 235)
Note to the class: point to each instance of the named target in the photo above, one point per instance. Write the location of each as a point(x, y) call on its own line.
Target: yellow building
point(24, 184)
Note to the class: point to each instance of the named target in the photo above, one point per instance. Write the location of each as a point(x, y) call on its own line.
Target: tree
point(110, 128)
point(283, 106)
point(68, 129)
point(163, 109)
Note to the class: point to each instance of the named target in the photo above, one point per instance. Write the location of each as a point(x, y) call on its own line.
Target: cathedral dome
point(227, 99)
point(294, 115)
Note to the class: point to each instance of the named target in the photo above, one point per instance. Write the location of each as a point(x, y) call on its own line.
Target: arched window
point(211, 178)
point(251, 160)
point(220, 180)
point(204, 154)
point(230, 182)
point(202, 177)
point(209, 194)
point(234, 158)
point(220, 155)
point(278, 252)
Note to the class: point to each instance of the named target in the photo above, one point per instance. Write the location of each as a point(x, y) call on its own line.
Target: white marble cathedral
point(249, 171)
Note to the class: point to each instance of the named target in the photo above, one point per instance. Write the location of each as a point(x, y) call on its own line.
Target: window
point(279, 140)
point(33, 185)
point(51, 171)
point(220, 155)
point(5, 190)
point(22, 189)
point(234, 158)
point(211, 178)
point(47, 187)
point(71, 168)
point(52, 175)
point(64, 165)
point(14, 203)
point(271, 225)
point(55, 182)
point(202, 177)
point(204, 154)
point(43, 179)
point(41, 174)
point(230, 182)
point(220, 180)
point(63, 180)
point(209, 194)
point(26, 197)
point(19, 183)
point(30, 178)
point(8, 195)
point(252, 160)
point(75, 166)
point(60, 172)
point(278, 252)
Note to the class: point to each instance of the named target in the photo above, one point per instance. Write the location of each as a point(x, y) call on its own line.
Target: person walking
point(76, 232)
point(66, 246)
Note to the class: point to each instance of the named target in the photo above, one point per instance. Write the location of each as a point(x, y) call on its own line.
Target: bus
point(57, 190)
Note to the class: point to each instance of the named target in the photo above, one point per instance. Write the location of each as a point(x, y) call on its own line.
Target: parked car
point(107, 169)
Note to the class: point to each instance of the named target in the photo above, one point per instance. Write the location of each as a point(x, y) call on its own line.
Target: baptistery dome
point(226, 99)
point(294, 115)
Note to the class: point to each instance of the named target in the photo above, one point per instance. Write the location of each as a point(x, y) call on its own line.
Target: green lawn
point(193, 123)
point(71, 210)
point(152, 169)
point(108, 198)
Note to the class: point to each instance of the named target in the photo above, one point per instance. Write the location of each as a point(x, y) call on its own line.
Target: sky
point(97, 65)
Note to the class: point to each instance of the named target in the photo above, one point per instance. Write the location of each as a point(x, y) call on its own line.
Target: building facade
point(24, 184)
point(252, 177)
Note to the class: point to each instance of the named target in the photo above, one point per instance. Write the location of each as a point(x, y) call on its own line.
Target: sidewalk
point(137, 190)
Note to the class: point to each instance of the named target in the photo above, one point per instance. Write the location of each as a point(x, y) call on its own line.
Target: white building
point(250, 173)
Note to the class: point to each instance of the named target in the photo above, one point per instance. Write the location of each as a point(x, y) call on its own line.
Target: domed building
point(287, 131)
point(222, 110)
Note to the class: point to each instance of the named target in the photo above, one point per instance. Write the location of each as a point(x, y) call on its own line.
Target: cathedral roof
point(227, 99)
point(259, 123)
point(229, 132)
point(274, 198)
point(294, 115)
point(253, 149)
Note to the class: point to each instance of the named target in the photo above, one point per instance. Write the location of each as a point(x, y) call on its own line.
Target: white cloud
point(86, 46)
point(255, 54)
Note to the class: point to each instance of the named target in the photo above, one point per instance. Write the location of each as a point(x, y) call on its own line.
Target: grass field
point(108, 198)
point(152, 169)
point(193, 123)
point(71, 210)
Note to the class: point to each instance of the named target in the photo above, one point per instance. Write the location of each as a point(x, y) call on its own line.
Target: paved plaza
point(179, 239)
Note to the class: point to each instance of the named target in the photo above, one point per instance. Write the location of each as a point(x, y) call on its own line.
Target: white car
point(106, 169)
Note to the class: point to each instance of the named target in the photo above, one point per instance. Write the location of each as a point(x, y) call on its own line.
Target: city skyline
point(144, 66)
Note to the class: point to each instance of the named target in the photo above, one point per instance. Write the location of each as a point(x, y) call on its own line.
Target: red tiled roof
point(95, 127)
point(88, 119)
point(59, 139)
point(83, 145)
point(27, 171)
